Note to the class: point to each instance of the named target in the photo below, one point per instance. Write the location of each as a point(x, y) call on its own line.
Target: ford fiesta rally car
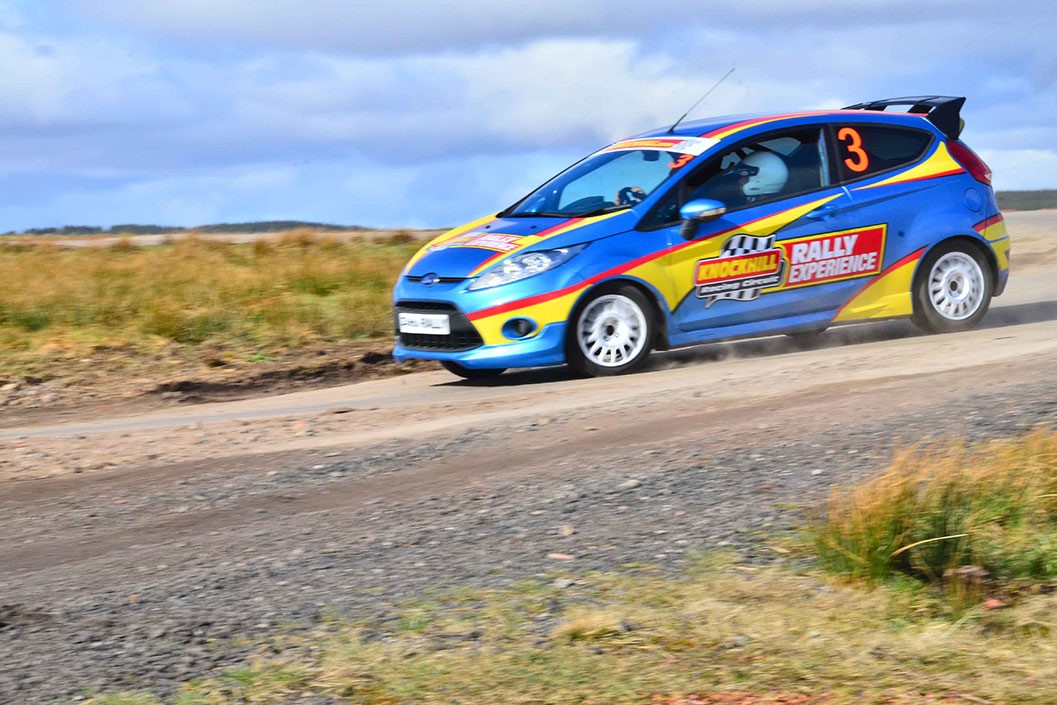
point(723, 228)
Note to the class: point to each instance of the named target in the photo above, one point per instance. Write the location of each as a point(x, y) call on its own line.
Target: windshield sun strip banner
point(694, 146)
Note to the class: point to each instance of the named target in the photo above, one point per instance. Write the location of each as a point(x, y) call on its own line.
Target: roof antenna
point(671, 129)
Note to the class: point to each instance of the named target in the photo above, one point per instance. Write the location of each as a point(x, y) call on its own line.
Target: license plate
point(425, 323)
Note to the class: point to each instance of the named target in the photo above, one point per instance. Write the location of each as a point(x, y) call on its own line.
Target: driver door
point(734, 276)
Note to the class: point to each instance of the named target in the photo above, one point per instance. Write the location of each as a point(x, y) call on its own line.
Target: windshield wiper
point(573, 214)
point(599, 211)
point(540, 214)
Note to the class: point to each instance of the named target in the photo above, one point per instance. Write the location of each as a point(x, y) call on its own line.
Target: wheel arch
point(660, 313)
point(981, 246)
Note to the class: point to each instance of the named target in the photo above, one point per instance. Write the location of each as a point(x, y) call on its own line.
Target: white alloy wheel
point(956, 286)
point(612, 331)
point(953, 290)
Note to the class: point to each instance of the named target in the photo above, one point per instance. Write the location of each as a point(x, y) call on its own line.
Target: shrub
point(935, 513)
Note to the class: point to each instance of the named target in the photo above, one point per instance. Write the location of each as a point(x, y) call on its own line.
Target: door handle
point(826, 211)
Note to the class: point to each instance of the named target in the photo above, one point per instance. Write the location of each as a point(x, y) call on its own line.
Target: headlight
point(524, 265)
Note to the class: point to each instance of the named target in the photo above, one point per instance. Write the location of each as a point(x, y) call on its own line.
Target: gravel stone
point(208, 590)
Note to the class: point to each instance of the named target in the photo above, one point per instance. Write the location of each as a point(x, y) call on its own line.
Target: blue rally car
point(722, 228)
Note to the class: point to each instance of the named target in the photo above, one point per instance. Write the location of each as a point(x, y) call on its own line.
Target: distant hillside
point(271, 226)
point(266, 226)
point(1027, 200)
point(1007, 200)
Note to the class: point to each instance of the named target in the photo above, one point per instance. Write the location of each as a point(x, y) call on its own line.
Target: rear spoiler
point(942, 111)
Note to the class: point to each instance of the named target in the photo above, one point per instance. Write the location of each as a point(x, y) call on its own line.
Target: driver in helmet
point(754, 178)
point(761, 174)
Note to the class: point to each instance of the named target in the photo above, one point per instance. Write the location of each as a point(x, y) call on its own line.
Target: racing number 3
point(854, 147)
point(682, 161)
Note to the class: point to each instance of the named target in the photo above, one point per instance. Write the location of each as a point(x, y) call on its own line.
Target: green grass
point(301, 289)
point(949, 515)
point(124, 699)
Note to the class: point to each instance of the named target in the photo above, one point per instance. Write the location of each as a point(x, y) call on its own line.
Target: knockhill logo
point(749, 266)
point(746, 267)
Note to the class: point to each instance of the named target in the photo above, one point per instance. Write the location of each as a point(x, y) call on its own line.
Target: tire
point(471, 373)
point(611, 333)
point(806, 339)
point(953, 289)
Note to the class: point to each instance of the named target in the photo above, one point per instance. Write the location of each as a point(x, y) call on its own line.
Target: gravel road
point(137, 552)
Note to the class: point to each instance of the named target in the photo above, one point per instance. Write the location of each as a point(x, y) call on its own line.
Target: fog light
point(518, 328)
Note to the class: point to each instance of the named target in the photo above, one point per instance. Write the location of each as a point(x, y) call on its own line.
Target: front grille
point(440, 280)
point(463, 335)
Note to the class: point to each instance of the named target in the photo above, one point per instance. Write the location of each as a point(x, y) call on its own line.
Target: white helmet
point(765, 173)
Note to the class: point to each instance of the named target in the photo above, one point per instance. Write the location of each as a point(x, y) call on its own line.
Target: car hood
point(469, 250)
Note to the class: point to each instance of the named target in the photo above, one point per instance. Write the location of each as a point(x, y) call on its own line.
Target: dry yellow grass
point(936, 511)
point(730, 633)
point(299, 289)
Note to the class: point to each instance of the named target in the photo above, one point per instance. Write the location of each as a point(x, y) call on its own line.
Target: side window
point(865, 150)
point(751, 173)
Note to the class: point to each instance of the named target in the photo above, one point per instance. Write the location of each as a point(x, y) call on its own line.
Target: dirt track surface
point(133, 548)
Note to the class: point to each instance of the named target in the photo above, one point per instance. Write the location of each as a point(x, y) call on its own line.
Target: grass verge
point(300, 289)
point(729, 633)
point(961, 517)
point(720, 634)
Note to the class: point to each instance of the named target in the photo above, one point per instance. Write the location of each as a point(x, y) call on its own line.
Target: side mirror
point(699, 210)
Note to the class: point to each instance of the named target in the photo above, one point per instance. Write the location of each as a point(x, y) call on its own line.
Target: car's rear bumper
point(1000, 285)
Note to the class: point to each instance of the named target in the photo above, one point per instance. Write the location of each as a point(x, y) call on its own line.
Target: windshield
point(619, 176)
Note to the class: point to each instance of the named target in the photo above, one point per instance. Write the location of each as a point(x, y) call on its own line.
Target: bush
point(936, 513)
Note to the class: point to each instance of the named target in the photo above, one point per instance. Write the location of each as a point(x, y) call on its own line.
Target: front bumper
point(547, 347)
point(467, 345)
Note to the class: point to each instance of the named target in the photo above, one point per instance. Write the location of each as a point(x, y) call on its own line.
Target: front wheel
point(471, 372)
point(612, 333)
point(954, 289)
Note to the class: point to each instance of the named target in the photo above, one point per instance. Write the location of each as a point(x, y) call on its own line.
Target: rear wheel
point(471, 372)
point(612, 333)
point(954, 289)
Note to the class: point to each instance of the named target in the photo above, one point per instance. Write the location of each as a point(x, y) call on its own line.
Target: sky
point(429, 113)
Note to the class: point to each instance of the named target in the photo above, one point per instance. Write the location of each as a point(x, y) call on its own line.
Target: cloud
point(439, 109)
point(429, 26)
point(1022, 169)
point(354, 192)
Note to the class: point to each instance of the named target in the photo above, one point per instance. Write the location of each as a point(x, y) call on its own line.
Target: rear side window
point(865, 150)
